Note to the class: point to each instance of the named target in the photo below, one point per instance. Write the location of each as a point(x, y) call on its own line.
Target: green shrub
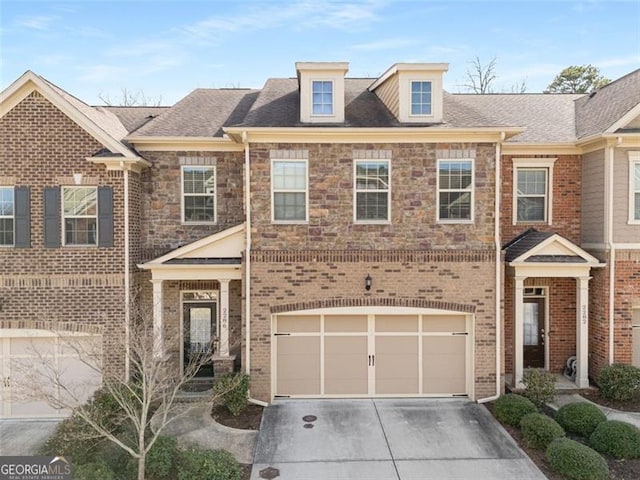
point(539, 430)
point(576, 461)
point(92, 471)
point(161, 458)
point(619, 382)
point(580, 417)
point(540, 387)
point(233, 389)
point(616, 439)
point(212, 465)
point(510, 408)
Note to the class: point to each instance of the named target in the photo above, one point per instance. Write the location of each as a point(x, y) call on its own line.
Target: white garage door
point(29, 359)
point(372, 354)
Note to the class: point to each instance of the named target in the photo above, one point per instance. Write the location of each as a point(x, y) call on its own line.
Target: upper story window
point(289, 190)
point(322, 97)
point(634, 187)
point(7, 213)
point(532, 180)
point(372, 191)
point(80, 215)
point(198, 194)
point(455, 190)
point(421, 98)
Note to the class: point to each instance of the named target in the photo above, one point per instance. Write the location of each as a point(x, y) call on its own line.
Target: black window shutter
point(22, 217)
point(52, 207)
point(105, 217)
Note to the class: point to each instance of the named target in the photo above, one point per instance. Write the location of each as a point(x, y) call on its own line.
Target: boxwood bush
point(576, 461)
point(616, 439)
point(540, 430)
point(540, 387)
point(580, 417)
point(619, 382)
point(213, 465)
point(510, 408)
point(233, 389)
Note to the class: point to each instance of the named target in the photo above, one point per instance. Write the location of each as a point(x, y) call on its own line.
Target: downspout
point(127, 285)
point(247, 256)
point(612, 249)
point(498, 272)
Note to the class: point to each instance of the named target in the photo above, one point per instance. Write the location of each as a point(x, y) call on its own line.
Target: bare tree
point(519, 87)
point(157, 380)
point(480, 77)
point(130, 98)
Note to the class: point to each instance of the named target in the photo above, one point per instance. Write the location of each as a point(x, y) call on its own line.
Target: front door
point(199, 336)
point(533, 348)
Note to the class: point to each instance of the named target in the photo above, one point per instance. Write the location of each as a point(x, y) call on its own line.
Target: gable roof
point(103, 125)
point(135, 117)
point(601, 111)
point(533, 246)
point(202, 113)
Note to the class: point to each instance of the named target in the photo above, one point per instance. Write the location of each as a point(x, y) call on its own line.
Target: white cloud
point(36, 22)
point(102, 73)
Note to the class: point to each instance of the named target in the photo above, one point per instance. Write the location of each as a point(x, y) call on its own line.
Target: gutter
point(127, 280)
point(498, 272)
point(611, 246)
point(247, 254)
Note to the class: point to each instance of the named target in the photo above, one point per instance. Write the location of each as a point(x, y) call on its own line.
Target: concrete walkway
point(25, 437)
point(386, 439)
point(195, 427)
point(611, 414)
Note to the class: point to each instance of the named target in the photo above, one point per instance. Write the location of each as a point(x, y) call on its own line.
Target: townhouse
point(331, 236)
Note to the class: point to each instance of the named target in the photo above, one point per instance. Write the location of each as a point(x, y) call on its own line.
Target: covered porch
point(547, 306)
point(196, 293)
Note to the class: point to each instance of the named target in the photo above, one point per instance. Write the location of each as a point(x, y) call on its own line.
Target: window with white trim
point(289, 192)
point(322, 97)
point(455, 190)
point(532, 190)
point(198, 194)
point(80, 215)
point(7, 216)
point(420, 98)
point(634, 187)
point(372, 191)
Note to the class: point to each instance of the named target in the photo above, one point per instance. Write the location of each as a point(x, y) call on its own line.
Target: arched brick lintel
point(374, 302)
point(53, 327)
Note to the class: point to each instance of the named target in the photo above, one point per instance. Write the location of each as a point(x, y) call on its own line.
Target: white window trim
point(356, 191)
point(472, 190)
point(634, 159)
point(306, 193)
point(419, 115)
point(333, 98)
point(215, 195)
point(522, 163)
point(63, 217)
point(13, 217)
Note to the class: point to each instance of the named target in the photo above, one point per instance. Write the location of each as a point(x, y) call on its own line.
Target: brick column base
point(223, 365)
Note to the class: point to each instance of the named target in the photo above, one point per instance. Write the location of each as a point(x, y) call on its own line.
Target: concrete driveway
point(24, 437)
point(386, 439)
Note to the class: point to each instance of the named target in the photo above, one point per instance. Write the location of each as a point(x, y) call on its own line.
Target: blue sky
point(168, 48)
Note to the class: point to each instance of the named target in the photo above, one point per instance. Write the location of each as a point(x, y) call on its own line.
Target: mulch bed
point(618, 469)
point(630, 406)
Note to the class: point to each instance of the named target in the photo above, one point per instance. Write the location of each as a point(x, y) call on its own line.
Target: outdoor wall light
point(367, 283)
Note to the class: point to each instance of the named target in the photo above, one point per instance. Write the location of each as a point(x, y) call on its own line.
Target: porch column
point(518, 329)
point(582, 332)
point(224, 318)
point(158, 337)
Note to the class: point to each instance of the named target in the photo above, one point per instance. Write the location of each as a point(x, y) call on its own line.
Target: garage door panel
point(444, 323)
point(32, 346)
point(345, 323)
point(396, 365)
point(30, 389)
point(444, 365)
point(396, 323)
point(298, 324)
point(298, 370)
point(345, 365)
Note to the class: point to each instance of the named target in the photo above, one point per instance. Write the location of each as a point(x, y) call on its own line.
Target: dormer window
point(322, 97)
point(420, 98)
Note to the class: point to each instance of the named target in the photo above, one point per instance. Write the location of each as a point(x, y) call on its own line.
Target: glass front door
point(199, 336)
point(533, 348)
